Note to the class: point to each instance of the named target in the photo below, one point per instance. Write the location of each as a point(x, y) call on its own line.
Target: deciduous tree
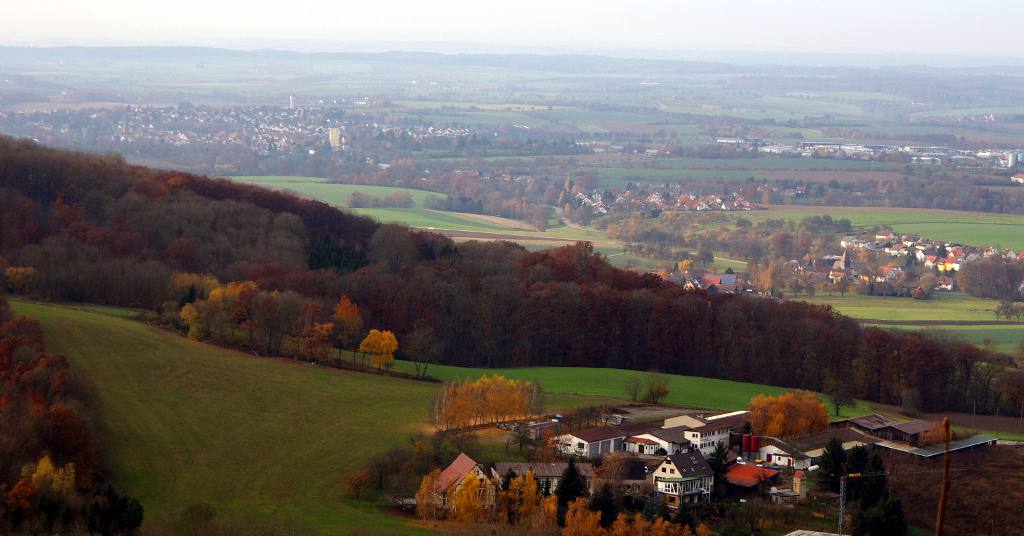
point(793, 414)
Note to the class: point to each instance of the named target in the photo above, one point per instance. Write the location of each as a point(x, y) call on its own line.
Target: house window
point(580, 445)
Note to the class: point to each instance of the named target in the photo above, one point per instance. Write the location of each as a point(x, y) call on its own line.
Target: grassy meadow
point(263, 438)
point(188, 422)
point(973, 228)
point(481, 227)
point(331, 192)
point(950, 307)
point(689, 391)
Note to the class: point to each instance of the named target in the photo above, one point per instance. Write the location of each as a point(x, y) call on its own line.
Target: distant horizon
point(887, 33)
point(737, 56)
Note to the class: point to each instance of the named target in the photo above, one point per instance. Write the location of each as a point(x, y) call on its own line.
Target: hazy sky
point(962, 27)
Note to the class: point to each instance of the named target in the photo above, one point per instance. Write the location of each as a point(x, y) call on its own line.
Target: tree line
point(486, 400)
point(53, 473)
point(96, 229)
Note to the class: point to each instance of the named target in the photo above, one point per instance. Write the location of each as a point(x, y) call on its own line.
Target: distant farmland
point(460, 225)
point(944, 313)
point(973, 228)
point(331, 192)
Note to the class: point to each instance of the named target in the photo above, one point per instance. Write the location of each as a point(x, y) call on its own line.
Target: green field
point(690, 391)
point(331, 192)
point(189, 423)
point(942, 307)
point(972, 228)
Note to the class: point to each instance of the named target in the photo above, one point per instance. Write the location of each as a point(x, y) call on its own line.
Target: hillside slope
point(254, 437)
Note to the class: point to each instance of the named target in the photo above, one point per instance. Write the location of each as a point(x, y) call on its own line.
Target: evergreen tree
point(604, 502)
point(662, 512)
point(717, 461)
point(831, 465)
point(651, 507)
point(507, 479)
point(570, 487)
point(684, 516)
point(883, 519)
point(857, 462)
point(874, 489)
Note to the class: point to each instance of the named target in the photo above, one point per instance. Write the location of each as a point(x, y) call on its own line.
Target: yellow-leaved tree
point(467, 504)
point(48, 477)
point(523, 496)
point(426, 506)
point(382, 345)
point(581, 521)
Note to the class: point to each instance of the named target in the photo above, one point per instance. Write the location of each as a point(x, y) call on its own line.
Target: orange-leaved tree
point(348, 322)
point(581, 521)
point(313, 339)
point(382, 345)
point(793, 414)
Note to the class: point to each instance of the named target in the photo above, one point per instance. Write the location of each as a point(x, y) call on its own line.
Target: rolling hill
point(189, 423)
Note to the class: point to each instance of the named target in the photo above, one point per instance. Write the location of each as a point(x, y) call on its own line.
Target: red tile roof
point(748, 476)
point(454, 472)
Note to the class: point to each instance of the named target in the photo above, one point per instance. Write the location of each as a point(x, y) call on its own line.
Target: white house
point(596, 442)
point(661, 442)
point(803, 452)
point(682, 478)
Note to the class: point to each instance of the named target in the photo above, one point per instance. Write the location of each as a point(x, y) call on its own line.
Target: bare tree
point(633, 388)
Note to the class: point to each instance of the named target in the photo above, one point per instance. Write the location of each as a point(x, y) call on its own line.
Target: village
point(674, 467)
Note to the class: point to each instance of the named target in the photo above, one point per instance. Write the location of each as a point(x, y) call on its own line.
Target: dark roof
point(788, 448)
point(672, 435)
point(873, 421)
point(542, 470)
point(973, 441)
point(914, 427)
point(819, 440)
point(718, 424)
point(601, 433)
point(691, 464)
point(734, 421)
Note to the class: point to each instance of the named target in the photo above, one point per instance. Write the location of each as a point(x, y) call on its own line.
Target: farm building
point(801, 453)
point(596, 442)
point(547, 474)
point(456, 475)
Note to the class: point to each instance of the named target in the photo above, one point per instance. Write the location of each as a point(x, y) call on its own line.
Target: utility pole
point(842, 505)
point(842, 498)
point(944, 492)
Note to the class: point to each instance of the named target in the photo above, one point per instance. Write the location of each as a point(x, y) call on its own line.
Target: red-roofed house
point(748, 476)
point(456, 475)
